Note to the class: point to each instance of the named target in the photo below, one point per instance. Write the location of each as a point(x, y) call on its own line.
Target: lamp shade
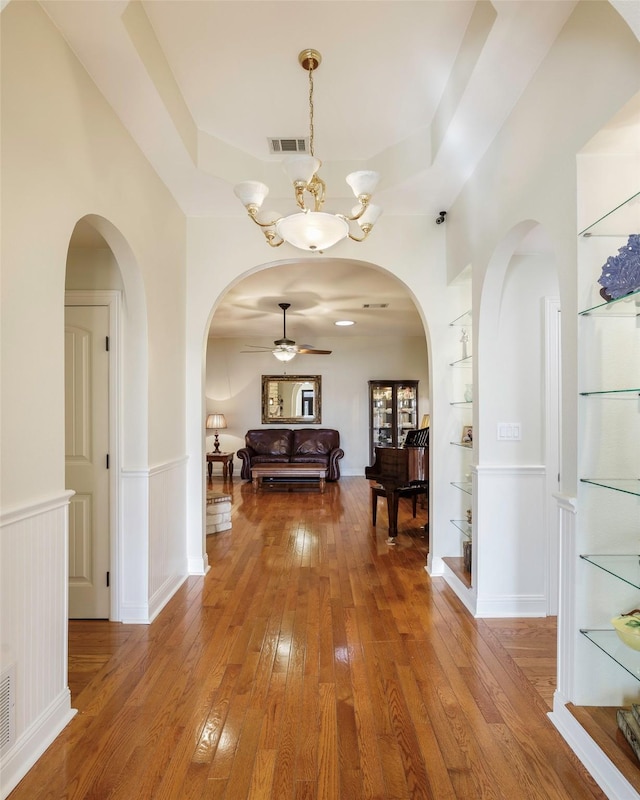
point(216, 422)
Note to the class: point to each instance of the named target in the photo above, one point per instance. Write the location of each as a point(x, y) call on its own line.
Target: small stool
point(406, 491)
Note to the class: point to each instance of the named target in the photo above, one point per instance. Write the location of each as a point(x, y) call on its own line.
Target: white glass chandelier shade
point(301, 169)
point(363, 183)
point(251, 193)
point(369, 217)
point(311, 228)
point(283, 354)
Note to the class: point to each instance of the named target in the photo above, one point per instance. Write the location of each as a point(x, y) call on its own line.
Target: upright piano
point(398, 468)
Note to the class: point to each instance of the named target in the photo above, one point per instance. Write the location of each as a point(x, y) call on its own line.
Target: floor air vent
point(7, 708)
point(280, 145)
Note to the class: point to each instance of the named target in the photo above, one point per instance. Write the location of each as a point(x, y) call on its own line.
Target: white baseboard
point(602, 770)
point(164, 594)
point(31, 745)
point(511, 606)
point(198, 565)
point(134, 614)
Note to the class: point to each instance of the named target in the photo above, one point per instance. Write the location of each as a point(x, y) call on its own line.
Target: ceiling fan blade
point(306, 351)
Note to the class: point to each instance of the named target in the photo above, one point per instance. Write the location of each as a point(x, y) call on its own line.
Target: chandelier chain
point(311, 111)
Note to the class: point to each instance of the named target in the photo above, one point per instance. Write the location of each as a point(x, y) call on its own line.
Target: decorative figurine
point(464, 339)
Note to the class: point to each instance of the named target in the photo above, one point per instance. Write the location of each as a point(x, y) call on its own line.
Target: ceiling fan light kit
point(311, 228)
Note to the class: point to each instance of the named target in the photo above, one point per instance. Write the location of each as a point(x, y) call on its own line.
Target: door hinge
point(106, 343)
point(108, 577)
point(107, 460)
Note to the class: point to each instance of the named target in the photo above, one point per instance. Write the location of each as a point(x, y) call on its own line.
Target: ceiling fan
point(285, 349)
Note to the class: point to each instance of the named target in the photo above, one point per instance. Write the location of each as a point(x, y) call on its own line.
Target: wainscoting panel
point(510, 534)
point(154, 542)
point(134, 552)
point(33, 597)
point(167, 532)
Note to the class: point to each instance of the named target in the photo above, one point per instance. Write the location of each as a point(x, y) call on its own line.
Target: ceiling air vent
point(278, 145)
point(375, 305)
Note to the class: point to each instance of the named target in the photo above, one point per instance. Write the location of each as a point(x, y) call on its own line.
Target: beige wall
point(64, 155)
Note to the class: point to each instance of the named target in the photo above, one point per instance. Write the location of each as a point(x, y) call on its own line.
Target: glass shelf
point(621, 221)
point(623, 394)
point(463, 526)
point(461, 362)
point(609, 642)
point(465, 487)
point(468, 445)
point(463, 320)
point(627, 306)
point(624, 567)
point(463, 403)
point(626, 485)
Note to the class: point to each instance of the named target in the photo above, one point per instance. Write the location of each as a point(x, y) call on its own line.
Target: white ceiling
point(416, 89)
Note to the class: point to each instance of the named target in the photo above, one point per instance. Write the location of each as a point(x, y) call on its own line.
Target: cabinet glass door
point(393, 412)
point(382, 415)
point(406, 412)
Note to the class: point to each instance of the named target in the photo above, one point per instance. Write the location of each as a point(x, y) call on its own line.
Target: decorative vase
point(468, 392)
point(627, 627)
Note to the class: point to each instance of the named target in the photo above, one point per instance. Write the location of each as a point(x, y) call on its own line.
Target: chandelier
point(311, 228)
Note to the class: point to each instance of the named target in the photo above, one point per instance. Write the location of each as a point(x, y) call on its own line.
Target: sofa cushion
point(270, 441)
point(313, 442)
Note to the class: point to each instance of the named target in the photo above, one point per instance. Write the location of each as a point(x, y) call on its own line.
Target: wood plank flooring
point(313, 662)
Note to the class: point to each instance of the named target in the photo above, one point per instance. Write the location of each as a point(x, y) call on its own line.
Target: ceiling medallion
point(311, 228)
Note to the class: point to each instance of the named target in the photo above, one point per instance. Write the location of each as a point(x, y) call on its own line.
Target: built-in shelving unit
point(462, 402)
point(598, 673)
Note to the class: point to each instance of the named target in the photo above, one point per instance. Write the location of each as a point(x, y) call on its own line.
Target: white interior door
point(86, 459)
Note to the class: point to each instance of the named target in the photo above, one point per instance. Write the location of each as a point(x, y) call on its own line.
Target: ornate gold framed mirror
point(292, 399)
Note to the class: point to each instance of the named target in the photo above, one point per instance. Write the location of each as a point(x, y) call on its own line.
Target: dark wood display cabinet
point(393, 410)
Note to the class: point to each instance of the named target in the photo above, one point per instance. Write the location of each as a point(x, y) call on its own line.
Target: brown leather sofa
point(298, 446)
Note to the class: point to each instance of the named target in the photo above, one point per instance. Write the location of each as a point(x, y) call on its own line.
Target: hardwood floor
point(313, 662)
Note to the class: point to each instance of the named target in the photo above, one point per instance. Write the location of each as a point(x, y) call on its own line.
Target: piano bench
point(406, 491)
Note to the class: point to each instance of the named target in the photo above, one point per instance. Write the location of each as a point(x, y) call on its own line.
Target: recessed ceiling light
point(345, 322)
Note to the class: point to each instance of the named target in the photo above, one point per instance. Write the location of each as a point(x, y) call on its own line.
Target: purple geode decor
point(621, 273)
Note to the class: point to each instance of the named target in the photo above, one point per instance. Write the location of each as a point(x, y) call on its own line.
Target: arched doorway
point(100, 440)
point(387, 341)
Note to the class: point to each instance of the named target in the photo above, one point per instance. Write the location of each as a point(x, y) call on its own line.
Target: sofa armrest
point(245, 454)
point(333, 468)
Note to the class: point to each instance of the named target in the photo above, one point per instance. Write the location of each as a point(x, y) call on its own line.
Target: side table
point(227, 463)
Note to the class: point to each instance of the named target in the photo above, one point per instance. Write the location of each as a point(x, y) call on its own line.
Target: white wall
point(529, 172)
point(65, 155)
point(233, 385)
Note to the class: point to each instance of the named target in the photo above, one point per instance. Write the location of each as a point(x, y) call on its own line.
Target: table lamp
point(216, 422)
